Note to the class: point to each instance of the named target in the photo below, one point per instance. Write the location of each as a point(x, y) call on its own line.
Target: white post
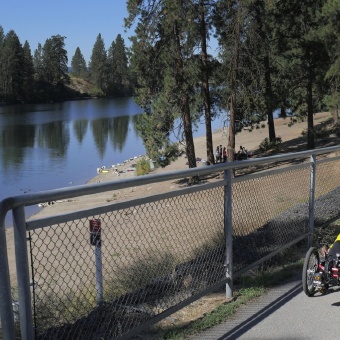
point(311, 200)
point(95, 240)
point(228, 230)
point(99, 273)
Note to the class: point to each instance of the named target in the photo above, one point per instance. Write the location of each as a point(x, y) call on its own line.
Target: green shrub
point(321, 131)
point(266, 145)
point(142, 167)
point(96, 92)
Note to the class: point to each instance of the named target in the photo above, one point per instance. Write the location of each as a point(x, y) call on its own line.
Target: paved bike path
point(284, 313)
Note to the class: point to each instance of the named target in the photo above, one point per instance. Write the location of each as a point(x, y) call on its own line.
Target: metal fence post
point(95, 240)
point(311, 200)
point(228, 231)
point(6, 310)
point(99, 274)
point(24, 292)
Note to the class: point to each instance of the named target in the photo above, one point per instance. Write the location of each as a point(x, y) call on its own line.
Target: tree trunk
point(185, 107)
point(310, 120)
point(260, 12)
point(336, 115)
point(269, 101)
point(205, 87)
point(234, 74)
point(186, 118)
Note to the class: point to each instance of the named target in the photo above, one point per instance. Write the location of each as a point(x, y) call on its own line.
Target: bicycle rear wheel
point(310, 266)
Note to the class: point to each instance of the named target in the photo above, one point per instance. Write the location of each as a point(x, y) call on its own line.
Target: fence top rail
point(87, 189)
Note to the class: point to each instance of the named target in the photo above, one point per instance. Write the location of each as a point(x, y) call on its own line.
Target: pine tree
point(259, 35)
point(38, 63)
point(118, 69)
point(98, 65)
point(330, 33)
point(2, 39)
point(229, 24)
point(306, 55)
point(28, 73)
point(54, 59)
point(78, 64)
point(11, 68)
point(165, 63)
point(205, 10)
point(112, 84)
point(121, 65)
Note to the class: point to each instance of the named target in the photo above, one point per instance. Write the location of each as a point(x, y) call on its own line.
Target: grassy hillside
point(79, 87)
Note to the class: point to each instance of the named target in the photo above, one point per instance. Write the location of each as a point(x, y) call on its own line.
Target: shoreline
point(250, 140)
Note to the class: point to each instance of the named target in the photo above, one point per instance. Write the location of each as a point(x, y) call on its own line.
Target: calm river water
point(50, 146)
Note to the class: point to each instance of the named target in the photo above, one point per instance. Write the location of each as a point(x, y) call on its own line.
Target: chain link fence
point(154, 255)
point(269, 211)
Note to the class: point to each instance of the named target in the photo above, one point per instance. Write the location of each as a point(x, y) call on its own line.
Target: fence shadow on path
point(261, 309)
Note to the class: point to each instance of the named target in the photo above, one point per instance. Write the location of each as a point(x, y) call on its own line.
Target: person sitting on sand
point(217, 153)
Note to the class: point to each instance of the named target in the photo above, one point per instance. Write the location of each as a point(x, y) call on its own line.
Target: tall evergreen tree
point(259, 35)
point(118, 70)
point(28, 73)
point(2, 39)
point(78, 64)
point(98, 65)
point(205, 10)
point(55, 61)
point(38, 63)
point(112, 87)
point(165, 62)
point(306, 53)
point(229, 24)
point(121, 63)
point(11, 68)
point(330, 33)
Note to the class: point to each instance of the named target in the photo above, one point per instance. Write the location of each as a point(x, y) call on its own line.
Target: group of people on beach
point(242, 153)
point(221, 154)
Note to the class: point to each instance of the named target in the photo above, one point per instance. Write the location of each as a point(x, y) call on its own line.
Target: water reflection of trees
point(100, 132)
point(13, 141)
point(116, 129)
point(54, 136)
point(119, 129)
point(80, 129)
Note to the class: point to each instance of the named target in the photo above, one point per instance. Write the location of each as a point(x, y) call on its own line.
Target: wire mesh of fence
point(268, 212)
point(327, 193)
point(154, 255)
point(106, 272)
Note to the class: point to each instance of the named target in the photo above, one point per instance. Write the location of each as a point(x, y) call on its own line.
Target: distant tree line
point(271, 55)
point(45, 75)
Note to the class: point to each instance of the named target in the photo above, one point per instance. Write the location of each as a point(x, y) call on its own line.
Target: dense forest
point(272, 55)
point(45, 76)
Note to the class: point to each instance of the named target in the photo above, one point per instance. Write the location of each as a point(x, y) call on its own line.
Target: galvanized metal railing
point(239, 212)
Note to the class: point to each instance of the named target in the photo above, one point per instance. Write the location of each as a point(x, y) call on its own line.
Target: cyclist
point(334, 249)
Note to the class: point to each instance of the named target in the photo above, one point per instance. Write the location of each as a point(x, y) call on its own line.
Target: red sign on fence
point(95, 232)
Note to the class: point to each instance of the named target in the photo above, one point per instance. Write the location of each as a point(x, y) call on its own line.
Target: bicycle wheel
point(310, 266)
